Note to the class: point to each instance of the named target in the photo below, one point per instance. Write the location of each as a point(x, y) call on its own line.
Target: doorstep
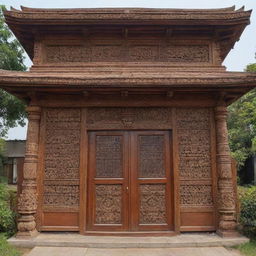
point(67, 239)
point(71, 251)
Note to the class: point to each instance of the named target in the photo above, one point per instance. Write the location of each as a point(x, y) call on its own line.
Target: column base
point(231, 233)
point(27, 234)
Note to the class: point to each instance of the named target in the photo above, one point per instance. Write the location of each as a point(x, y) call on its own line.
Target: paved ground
point(71, 251)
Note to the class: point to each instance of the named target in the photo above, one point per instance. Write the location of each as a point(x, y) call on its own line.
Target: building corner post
point(27, 201)
point(226, 208)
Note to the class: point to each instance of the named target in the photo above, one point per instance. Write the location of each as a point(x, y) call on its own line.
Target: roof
point(226, 23)
point(126, 16)
point(132, 79)
point(15, 148)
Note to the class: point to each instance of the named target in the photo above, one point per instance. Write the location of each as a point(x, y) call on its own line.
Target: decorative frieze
point(128, 52)
point(133, 118)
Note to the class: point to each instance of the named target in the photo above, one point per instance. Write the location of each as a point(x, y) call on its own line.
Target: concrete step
point(71, 251)
point(76, 240)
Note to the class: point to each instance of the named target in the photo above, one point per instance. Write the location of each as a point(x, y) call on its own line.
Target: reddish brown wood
point(131, 182)
point(148, 80)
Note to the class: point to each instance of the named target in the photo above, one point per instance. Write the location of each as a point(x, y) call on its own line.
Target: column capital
point(34, 112)
point(221, 112)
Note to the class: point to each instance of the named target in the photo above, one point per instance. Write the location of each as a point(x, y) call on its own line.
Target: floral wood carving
point(125, 51)
point(108, 204)
point(193, 127)
point(62, 147)
point(152, 204)
point(134, 118)
point(196, 195)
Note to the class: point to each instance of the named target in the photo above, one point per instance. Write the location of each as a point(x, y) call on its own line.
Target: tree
point(242, 125)
point(12, 110)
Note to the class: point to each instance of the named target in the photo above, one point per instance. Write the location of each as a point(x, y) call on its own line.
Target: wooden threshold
point(131, 233)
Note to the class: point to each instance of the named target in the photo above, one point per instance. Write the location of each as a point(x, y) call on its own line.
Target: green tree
point(12, 110)
point(242, 125)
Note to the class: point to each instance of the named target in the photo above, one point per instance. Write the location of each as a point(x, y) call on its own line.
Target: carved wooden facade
point(127, 119)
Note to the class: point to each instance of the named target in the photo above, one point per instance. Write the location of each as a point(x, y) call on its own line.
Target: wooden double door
point(130, 181)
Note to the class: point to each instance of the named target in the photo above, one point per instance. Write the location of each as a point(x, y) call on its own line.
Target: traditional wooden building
point(127, 119)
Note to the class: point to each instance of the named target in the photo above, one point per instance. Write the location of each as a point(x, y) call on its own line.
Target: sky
point(242, 54)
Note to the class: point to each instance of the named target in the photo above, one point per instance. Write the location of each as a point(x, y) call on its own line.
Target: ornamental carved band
point(226, 195)
point(27, 202)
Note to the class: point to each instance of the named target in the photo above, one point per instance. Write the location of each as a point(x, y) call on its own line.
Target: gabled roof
point(226, 24)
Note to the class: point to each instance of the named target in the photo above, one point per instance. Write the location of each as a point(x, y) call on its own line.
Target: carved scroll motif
point(108, 204)
point(133, 118)
point(196, 195)
point(62, 147)
point(152, 204)
point(127, 52)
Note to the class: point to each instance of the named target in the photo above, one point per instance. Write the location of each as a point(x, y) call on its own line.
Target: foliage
point(12, 110)
point(247, 198)
point(6, 249)
point(248, 249)
point(2, 148)
point(242, 125)
point(7, 215)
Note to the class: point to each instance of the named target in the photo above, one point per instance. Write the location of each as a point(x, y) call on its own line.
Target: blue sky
point(242, 54)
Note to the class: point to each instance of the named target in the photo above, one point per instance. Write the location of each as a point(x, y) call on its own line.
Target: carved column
point(226, 195)
point(27, 202)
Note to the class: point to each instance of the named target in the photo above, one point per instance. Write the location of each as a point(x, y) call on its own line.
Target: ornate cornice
point(128, 79)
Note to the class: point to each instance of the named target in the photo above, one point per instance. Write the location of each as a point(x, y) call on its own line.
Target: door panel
point(129, 181)
point(108, 181)
point(151, 186)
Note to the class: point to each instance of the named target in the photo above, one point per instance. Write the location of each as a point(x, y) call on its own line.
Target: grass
point(6, 249)
point(248, 249)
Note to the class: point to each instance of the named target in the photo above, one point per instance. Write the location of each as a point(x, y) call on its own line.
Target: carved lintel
point(169, 32)
point(169, 94)
point(86, 94)
point(124, 93)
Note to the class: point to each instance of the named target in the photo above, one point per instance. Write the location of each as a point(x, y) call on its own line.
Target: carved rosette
point(27, 201)
point(226, 194)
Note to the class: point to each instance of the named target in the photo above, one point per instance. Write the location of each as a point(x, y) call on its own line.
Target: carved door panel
point(129, 185)
point(151, 181)
point(108, 181)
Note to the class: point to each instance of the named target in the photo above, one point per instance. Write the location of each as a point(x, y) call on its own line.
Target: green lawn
point(248, 249)
point(6, 249)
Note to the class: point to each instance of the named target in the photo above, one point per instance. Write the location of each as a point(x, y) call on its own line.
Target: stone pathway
point(71, 251)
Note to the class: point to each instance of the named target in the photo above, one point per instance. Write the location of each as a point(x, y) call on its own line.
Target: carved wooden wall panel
point(61, 174)
point(152, 204)
point(108, 204)
point(129, 118)
point(128, 51)
point(196, 195)
point(193, 127)
point(109, 156)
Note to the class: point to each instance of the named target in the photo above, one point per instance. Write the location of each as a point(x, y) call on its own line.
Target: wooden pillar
point(226, 194)
point(27, 201)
